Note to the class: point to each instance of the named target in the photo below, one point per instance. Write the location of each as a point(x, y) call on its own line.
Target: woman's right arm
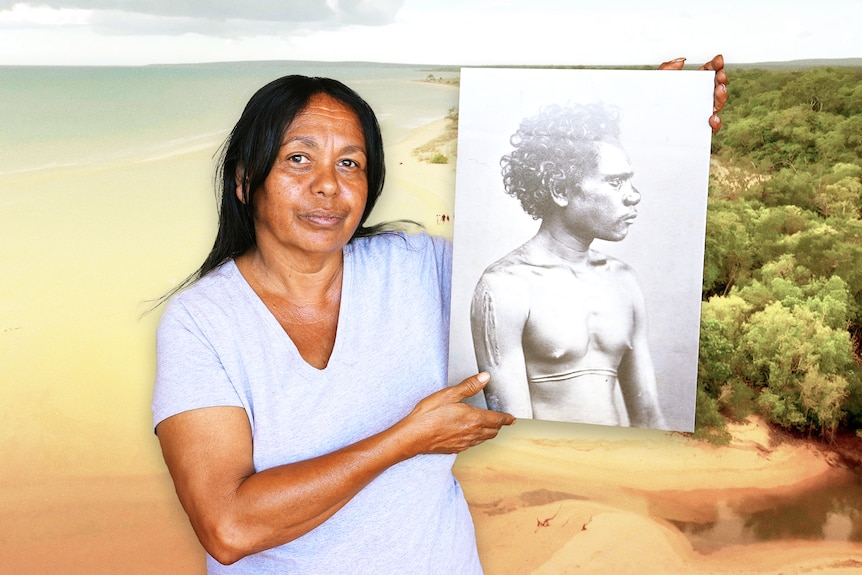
point(236, 512)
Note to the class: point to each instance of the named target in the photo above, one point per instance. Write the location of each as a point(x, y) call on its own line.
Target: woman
point(301, 399)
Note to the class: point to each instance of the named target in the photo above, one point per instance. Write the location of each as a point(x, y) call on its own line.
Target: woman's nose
point(325, 182)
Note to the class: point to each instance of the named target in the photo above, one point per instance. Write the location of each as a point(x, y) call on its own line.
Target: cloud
point(510, 32)
point(369, 12)
point(218, 17)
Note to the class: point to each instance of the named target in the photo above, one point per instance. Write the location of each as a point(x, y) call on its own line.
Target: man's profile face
point(604, 206)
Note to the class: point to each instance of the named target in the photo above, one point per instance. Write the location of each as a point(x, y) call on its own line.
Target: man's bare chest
point(572, 317)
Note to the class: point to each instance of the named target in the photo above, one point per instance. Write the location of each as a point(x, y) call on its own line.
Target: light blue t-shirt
point(218, 345)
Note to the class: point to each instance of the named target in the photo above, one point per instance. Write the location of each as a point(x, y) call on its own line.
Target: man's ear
point(559, 192)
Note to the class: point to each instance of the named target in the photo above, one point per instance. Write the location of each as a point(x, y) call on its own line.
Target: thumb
point(675, 64)
point(470, 386)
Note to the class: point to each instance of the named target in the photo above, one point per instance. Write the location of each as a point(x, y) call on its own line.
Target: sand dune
point(546, 500)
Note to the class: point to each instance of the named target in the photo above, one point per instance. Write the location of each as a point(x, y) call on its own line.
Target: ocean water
point(62, 116)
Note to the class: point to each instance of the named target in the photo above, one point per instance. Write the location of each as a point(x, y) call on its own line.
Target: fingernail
point(484, 377)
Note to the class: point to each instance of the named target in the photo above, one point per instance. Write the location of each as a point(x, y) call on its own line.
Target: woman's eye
point(297, 159)
point(349, 163)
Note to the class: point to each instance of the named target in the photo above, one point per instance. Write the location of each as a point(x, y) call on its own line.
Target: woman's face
point(314, 196)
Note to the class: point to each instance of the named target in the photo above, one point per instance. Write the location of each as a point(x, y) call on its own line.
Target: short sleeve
point(189, 373)
point(443, 256)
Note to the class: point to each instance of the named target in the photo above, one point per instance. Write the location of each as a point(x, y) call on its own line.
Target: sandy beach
point(546, 498)
point(415, 189)
point(96, 525)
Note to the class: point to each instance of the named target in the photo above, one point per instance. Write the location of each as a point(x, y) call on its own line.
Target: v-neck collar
point(281, 336)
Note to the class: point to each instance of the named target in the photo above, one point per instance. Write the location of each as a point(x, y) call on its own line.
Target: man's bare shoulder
point(610, 263)
point(507, 279)
point(614, 266)
point(524, 261)
point(621, 274)
point(515, 263)
point(502, 292)
point(523, 267)
point(511, 278)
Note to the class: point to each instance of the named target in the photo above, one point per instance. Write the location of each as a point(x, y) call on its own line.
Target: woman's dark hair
point(252, 148)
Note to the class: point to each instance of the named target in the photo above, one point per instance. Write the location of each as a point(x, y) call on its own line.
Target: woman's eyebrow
point(307, 140)
point(311, 142)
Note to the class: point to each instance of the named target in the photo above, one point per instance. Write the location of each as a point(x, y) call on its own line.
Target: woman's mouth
point(323, 218)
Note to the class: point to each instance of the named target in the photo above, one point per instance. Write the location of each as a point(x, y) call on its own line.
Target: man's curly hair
point(558, 146)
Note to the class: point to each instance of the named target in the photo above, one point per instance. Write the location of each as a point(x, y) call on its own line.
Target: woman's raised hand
point(719, 97)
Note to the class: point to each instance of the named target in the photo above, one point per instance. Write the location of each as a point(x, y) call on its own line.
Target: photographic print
point(578, 242)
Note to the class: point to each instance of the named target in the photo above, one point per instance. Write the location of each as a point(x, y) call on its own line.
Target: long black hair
point(252, 148)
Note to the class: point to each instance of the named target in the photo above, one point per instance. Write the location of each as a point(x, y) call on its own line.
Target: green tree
point(822, 398)
point(786, 345)
point(840, 192)
point(709, 424)
point(788, 187)
point(816, 89)
point(728, 248)
point(720, 362)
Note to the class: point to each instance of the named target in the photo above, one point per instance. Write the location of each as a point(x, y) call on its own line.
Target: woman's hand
point(719, 97)
point(442, 423)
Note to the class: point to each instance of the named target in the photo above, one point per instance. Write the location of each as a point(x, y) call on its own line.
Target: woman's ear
point(238, 183)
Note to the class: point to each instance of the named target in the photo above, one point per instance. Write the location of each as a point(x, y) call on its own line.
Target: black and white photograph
point(579, 228)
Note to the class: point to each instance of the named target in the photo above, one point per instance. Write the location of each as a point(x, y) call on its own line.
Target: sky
point(455, 32)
